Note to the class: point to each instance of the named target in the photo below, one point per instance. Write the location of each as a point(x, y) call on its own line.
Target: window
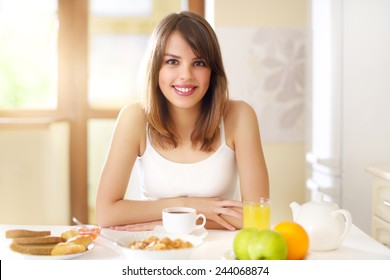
point(119, 31)
point(28, 54)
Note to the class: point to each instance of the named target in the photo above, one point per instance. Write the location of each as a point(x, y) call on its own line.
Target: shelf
point(381, 170)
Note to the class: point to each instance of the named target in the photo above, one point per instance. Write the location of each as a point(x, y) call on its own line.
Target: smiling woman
point(187, 139)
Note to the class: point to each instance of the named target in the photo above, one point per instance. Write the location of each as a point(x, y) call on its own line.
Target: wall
point(284, 155)
point(366, 98)
point(34, 174)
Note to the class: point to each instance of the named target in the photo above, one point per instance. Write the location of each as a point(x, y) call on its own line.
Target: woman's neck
point(184, 121)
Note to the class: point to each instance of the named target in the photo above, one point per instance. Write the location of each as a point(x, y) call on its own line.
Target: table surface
point(357, 245)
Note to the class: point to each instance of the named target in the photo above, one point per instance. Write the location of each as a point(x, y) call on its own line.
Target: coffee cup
point(182, 220)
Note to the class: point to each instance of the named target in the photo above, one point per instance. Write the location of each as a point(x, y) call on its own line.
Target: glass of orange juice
point(257, 214)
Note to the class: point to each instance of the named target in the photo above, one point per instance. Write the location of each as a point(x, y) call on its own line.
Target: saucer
point(202, 232)
point(229, 255)
point(60, 257)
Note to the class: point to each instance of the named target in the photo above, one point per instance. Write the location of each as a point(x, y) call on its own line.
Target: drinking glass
point(257, 214)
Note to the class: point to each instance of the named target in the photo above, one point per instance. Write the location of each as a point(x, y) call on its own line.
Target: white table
point(357, 245)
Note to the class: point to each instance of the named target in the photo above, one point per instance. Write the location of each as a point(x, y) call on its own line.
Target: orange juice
point(257, 215)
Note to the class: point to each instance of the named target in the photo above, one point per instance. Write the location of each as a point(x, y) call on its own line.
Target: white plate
point(174, 254)
point(202, 232)
point(62, 257)
point(229, 255)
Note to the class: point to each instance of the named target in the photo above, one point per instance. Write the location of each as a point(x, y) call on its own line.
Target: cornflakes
point(154, 243)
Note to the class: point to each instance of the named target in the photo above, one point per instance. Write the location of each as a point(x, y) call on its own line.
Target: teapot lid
point(319, 197)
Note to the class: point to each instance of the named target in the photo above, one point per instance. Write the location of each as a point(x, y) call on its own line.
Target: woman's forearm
point(124, 212)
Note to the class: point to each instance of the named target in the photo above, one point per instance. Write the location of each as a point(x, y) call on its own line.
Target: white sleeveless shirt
point(215, 176)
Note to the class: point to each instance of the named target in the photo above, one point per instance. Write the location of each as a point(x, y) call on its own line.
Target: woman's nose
point(185, 72)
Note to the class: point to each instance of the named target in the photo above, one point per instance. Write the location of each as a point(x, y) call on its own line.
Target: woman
point(187, 138)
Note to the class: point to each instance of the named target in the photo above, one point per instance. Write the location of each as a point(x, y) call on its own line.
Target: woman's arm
point(244, 134)
point(223, 221)
point(127, 143)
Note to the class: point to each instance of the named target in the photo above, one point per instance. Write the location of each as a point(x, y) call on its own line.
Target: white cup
point(181, 220)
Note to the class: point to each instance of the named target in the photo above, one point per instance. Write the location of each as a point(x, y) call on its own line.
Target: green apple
point(267, 245)
point(241, 242)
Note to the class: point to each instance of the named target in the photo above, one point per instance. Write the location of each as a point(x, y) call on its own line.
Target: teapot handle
point(348, 221)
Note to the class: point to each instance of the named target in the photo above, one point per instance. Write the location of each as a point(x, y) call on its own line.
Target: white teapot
point(325, 223)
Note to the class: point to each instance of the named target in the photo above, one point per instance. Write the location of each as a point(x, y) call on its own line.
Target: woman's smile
point(184, 90)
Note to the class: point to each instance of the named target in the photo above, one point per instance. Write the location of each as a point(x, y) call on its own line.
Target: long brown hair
point(204, 43)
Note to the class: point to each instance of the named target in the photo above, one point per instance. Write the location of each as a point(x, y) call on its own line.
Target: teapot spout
point(295, 207)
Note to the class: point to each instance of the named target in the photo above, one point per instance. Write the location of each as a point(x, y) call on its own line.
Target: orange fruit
point(296, 237)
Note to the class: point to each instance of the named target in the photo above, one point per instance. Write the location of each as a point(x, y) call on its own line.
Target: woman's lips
point(184, 90)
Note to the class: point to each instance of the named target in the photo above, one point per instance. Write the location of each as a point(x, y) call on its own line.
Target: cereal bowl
point(158, 253)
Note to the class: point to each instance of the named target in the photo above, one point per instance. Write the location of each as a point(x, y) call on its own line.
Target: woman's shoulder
point(132, 115)
point(239, 110)
point(240, 118)
point(135, 107)
point(131, 125)
point(133, 111)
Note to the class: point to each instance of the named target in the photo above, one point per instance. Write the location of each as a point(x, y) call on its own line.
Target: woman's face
point(183, 78)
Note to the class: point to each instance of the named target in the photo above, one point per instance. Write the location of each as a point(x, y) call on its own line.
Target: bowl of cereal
point(158, 246)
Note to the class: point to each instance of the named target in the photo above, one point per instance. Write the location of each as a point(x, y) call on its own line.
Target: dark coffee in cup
point(181, 220)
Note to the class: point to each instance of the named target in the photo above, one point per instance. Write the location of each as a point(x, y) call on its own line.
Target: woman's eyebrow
point(177, 56)
point(171, 55)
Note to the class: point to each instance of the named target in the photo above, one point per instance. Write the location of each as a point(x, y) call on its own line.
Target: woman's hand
point(225, 213)
point(138, 227)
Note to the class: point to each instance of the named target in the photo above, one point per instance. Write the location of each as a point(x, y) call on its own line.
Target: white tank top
point(215, 176)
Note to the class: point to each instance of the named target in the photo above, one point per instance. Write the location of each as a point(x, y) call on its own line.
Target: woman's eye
point(200, 63)
point(171, 61)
